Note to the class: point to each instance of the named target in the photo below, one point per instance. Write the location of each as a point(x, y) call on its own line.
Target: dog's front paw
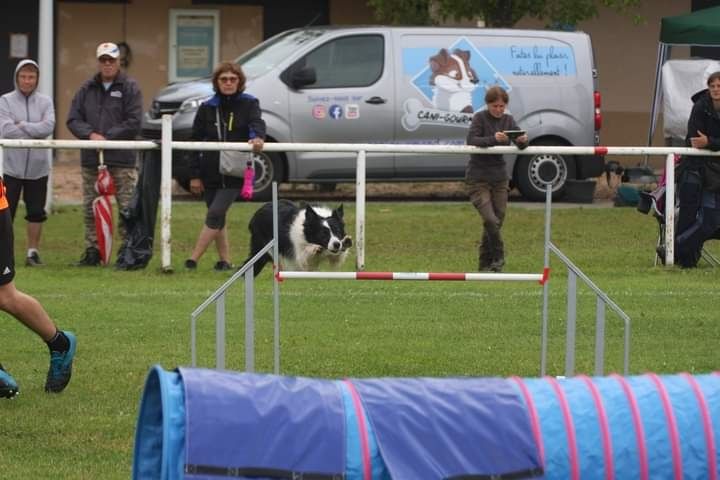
point(314, 249)
point(346, 242)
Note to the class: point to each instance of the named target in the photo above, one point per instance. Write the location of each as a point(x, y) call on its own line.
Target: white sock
point(31, 251)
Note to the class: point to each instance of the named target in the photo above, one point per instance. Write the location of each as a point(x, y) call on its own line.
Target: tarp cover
point(681, 80)
point(246, 425)
point(450, 428)
point(701, 27)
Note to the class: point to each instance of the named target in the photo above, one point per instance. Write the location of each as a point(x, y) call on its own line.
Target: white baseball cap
point(109, 49)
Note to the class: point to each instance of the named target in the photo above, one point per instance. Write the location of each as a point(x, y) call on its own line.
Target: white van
point(407, 85)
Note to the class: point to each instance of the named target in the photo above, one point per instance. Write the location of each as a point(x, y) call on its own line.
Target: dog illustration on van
point(453, 80)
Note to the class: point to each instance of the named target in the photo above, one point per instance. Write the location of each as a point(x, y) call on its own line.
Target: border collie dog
point(308, 235)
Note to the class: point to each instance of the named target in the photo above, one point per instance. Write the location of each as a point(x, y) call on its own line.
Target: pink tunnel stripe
point(604, 427)
point(671, 424)
point(569, 428)
point(364, 441)
point(637, 424)
point(707, 425)
point(534, 420)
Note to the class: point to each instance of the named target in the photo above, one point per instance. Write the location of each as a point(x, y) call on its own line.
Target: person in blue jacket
point(229, 116)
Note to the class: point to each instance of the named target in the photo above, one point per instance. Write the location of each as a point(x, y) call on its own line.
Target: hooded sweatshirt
point(706, 119)
point(21, 116)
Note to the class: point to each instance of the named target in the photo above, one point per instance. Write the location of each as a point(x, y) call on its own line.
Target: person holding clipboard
point(486, 177)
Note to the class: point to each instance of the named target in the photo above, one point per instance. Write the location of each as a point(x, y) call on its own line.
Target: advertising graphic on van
point(453, 77)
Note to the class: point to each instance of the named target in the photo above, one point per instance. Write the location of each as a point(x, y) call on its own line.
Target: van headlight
point(192, 104)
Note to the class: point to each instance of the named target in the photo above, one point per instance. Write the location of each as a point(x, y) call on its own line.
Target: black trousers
point(34, 193)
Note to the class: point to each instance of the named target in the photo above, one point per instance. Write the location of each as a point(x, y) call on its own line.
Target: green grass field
point(128, 321)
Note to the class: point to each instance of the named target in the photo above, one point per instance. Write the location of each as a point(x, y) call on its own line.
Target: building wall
point(145, 28)
point(350, 12)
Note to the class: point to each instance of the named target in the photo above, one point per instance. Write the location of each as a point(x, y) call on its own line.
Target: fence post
point(670, 209)
point(360, 211)
point(166, 191)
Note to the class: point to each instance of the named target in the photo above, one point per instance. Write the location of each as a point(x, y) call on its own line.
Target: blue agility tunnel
point(208, 424)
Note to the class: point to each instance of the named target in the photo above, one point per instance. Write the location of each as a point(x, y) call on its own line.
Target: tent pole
point(662, 56)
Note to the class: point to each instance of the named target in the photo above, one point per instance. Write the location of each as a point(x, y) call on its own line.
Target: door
point(19, 24)
point(349, 101)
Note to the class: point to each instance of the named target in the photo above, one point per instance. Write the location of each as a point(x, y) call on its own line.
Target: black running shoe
point(33, 260)
point(222, 266)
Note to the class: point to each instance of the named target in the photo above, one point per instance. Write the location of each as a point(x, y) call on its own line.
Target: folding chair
point(655, 202)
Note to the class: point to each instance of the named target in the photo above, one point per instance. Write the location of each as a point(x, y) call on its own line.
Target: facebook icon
point(335, 112)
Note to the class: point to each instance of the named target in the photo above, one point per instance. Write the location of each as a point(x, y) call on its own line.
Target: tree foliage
point(500, 13)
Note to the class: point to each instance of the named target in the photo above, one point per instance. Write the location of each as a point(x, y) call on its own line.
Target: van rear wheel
point(532, 169)
point(269, 167)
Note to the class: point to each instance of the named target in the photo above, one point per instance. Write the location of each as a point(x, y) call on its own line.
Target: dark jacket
point(706, 119)
point(489, 168)
point(115, 113)
point(246, 124)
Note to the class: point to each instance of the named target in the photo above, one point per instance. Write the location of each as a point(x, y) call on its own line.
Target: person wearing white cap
point(106, 107)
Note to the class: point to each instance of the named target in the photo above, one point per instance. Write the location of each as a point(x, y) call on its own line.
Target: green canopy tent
point(699, 29)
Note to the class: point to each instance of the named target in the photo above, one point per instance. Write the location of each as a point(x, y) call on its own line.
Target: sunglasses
point(107, 60)
point(228, 79)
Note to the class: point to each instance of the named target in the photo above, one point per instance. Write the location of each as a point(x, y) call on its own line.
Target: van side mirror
point(303, 77)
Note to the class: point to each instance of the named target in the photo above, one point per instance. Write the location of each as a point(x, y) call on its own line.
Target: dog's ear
point(338, 212)
point(310, 213)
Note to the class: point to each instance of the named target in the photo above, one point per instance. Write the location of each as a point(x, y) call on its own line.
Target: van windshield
point(268, 54)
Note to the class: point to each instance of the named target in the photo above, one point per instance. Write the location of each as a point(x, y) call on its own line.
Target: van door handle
point(375, 100)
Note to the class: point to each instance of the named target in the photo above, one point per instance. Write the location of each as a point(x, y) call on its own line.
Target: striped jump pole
point(438, 276)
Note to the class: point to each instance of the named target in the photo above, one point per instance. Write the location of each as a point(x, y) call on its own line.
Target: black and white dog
point(308, 234)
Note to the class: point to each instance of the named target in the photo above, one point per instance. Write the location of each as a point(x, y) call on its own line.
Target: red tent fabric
point(102, 211)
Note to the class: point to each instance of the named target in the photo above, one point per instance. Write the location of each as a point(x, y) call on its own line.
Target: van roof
point(443, 29)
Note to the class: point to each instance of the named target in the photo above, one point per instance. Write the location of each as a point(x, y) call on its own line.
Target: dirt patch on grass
point(67, 188)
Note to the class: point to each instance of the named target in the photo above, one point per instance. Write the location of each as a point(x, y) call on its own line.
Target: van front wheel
point(269, 167)
point(532, 169)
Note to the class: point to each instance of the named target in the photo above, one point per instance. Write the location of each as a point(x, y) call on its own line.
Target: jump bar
point(462, 277)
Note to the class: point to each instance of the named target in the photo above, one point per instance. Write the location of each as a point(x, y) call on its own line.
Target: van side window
point(355, 61)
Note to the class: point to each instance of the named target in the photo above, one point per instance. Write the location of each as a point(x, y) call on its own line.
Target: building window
point(194, 43)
